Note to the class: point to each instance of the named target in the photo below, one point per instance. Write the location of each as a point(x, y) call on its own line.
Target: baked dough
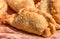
point(31, 18)
point(33, 23)
point(44, 10)
point(3, 8)
point(19, 4)
point(55, 11)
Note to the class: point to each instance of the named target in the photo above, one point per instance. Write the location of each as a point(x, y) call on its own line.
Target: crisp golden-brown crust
point(19, 4)
point(34, 19)
point(3, 6)
point(55, 6)
point(43, 7)
point(33, 23)
point(3, 9)
point(55, 11)
point(57, 18)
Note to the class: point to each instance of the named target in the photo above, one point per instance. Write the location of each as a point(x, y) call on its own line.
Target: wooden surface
point(8, 32)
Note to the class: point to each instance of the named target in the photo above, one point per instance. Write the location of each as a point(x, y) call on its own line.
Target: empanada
point(28, 21)
point(3, 9)
point(44, 10)
point(19, 4)
point(32, 19)
point(55, 10)
point(3, 6)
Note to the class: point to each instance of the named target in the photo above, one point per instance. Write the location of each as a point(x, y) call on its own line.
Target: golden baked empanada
point(55, 10)
point(19, 4)
point(28, 21)
point(44, 10)
point(3, 7)
point(32, 19)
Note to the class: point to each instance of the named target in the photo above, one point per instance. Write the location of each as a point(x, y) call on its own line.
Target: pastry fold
point(55, 11)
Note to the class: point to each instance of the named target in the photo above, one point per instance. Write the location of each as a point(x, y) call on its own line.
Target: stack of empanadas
point(39, 17)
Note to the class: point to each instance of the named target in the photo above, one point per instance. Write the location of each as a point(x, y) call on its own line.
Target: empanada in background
point(3, 6)
point(30, 18)
point(55, 10)
point(42, 5)
point(45, 7)
point(19, 4)
point(3, 9)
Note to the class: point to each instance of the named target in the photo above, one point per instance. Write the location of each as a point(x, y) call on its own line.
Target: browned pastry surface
point(31, 16)
point(8, 32)
point(3, 9)
point(55, 11)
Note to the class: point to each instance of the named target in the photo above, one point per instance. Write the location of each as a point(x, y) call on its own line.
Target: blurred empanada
point(3, 7)
point(19, 4)
point(55, 10)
